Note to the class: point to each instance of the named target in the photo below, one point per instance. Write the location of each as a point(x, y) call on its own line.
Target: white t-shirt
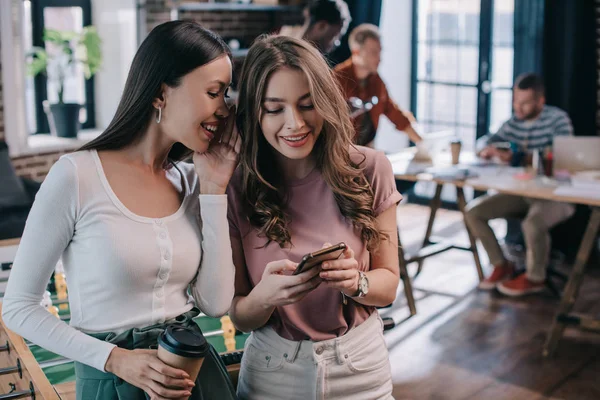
point(123, 270)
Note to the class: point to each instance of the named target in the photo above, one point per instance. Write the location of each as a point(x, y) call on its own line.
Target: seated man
point(532, 128)
point(358, 77)
point(325, 22)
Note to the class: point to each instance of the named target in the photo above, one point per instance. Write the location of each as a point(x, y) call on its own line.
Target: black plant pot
point(65, 119)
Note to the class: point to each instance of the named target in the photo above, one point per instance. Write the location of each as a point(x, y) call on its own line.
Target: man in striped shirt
point(532, 128)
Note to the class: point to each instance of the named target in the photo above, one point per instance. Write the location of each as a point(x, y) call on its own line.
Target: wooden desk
point(405, 168)
point(501, 181)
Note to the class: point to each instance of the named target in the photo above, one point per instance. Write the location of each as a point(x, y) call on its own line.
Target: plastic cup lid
point(185, 342)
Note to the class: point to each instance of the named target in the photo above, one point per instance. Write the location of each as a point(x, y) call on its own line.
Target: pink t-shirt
point(315, 220)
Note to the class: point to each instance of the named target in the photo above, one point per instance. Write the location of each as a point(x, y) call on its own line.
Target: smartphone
point(502, 146)
point(312, 259)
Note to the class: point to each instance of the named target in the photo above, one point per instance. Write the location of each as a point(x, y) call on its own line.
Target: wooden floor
point(470, 344)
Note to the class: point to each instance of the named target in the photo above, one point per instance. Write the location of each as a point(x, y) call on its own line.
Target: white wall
point(395, 68)
point(117, 26)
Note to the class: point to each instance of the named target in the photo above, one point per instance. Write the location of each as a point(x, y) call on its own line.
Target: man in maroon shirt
point(358, 78)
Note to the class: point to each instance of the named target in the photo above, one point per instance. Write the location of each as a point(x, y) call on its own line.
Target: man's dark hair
point(333, 12)
point(531, 81)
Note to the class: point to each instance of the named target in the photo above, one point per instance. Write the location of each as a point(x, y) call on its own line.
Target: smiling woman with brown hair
point(302, 184)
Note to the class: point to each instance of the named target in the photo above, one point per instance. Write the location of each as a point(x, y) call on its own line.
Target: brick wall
point(35, 166)
point(244, 26)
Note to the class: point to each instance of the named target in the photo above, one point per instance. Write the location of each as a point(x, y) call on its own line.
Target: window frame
point(40, 81)
point(485, 44)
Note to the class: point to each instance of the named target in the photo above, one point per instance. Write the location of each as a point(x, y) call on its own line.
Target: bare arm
point(412, 134)
point(252, 307)
point(246, 311)
point(384, 275)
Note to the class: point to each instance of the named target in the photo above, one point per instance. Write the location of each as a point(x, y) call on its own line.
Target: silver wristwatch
point(363, 285)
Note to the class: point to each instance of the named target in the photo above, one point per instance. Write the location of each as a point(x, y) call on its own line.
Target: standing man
point(358, 77)
point(325, 22)
point(532, 128)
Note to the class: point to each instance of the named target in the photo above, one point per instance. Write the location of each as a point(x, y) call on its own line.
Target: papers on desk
point(452, 173)
point(586, 179)
point(583, 184)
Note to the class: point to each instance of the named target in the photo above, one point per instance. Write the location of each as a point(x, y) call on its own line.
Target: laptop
point(576, 153)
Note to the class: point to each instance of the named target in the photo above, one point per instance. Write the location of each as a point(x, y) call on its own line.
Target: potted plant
point(65, 49)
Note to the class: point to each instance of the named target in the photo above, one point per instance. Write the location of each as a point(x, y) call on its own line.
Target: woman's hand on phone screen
point(342, 274)
point(278, 288)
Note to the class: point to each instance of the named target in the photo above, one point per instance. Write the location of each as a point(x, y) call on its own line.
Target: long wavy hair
point(264, 193)
point(169, 52)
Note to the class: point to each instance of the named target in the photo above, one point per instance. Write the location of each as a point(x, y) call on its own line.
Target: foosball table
point(28, 371)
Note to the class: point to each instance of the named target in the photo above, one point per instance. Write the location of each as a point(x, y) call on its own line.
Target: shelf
point(233, 7)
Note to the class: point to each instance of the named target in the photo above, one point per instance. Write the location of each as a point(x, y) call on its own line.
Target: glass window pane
point(449, 20)
point(65, 19)
point(448, 63)
point(467, 106)
point(29, 82)
point(501, 108)
point(502, 41)
point(468, 64)
point(504, 11)
point(436, 128)
point(467, 135)
point(502, 67)
point(436, 103)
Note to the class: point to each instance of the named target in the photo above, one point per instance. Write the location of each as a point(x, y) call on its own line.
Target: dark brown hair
point(264, 193)
point(531, 81)
point(171, 51)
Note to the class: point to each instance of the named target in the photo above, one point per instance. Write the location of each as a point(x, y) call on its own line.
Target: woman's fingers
point(164, 369)
point(280, 266)
point(228, 126)
point(170, 382)
point(165, 393)
point(339, 275)
point(348, 253)
point(305, 287)
point(344, 263)
point(302, 277)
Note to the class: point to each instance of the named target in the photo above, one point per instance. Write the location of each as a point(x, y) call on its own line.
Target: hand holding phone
point(313, 259)
point(342, 274)
point(278, 287)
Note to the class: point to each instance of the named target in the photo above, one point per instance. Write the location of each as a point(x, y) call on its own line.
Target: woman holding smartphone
point(301, 183)
point(143, 237)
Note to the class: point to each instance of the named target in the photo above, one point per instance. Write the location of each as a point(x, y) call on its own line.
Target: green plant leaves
point(79, 47)
point(38, 61)
point(90, 40)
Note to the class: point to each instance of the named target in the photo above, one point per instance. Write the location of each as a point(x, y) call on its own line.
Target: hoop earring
point(159, 115)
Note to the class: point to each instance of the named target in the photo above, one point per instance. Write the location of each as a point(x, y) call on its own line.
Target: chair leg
point(436, 203)
point(462, 205)
point(408, 290)
point(572, 289)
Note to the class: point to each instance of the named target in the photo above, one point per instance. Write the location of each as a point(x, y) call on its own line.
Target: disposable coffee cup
point(183, 348)
point(455, 146)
